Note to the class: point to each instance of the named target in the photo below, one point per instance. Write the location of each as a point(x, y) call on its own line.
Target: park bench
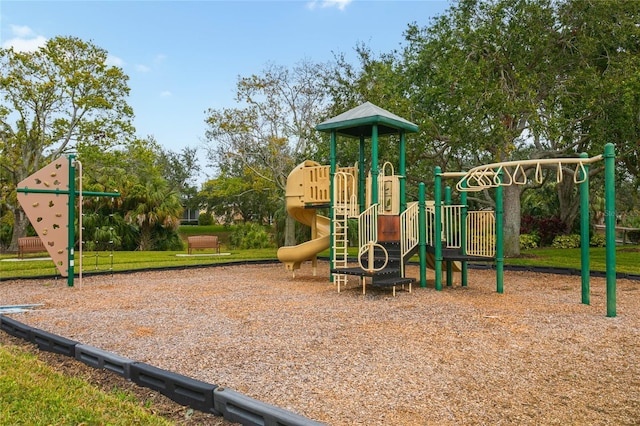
point(30, 245)
point(200, 242)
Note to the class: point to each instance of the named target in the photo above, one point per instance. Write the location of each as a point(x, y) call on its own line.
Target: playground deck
point(534, 355)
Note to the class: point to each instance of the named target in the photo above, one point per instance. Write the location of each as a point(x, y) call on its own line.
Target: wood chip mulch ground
point(533, 355)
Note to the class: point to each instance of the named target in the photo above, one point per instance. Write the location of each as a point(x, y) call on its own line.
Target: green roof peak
point(359, 122)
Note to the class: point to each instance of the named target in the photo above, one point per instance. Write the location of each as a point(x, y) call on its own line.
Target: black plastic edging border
point(481, 266)
point(202, 396)
point(535, 269)
point(182, 389)
point(239, 408)
point(99, 359)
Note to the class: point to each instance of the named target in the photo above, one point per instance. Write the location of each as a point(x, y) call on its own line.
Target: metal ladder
point(344, 206)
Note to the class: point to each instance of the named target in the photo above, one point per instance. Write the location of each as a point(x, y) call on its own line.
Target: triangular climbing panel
point(49, 211)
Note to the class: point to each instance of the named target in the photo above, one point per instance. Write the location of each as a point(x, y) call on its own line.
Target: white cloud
point(165, 94)
point(114, 61)
point(142, 68)
point(24, 40)
point(340, 4)
point(21, 31)
point(160, 58)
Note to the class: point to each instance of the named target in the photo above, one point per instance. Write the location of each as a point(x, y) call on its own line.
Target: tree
point(600, 101)
point(149, 208)
point(150, 204)
point(240, 197)
point(480, 73)
point(381, 80)
point(60, 97)
point(180, 170)
point(273, 130)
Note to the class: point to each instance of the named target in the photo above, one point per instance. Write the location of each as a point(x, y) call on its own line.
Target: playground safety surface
point(534, 355)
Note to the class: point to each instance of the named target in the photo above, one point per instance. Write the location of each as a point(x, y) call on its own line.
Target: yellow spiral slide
point(293, 256)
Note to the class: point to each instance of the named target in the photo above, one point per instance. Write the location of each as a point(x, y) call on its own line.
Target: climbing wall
point(49, 212)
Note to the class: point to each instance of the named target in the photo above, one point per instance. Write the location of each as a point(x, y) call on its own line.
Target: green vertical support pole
point(374, 164)
point(72, 220)
point(437, 238)
point(402, 171)
point(584, 231)
point(422, 238)
point(463, 234)
point(448, 232)
point(362, 179)
point(332, 174)
point(610, 226)
point(499, 238)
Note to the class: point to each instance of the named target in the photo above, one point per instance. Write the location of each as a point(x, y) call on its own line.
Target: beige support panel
point(315, 181)
point(49, 213)
point(389, 198)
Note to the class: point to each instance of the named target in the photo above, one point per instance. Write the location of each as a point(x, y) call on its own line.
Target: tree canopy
point(485, 81)
point(53, 100)
point(267, 135)
point(504, 80)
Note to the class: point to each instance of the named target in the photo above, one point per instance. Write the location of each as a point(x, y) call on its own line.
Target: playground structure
point(41, 195)
point(388, 227)
point(391, 230)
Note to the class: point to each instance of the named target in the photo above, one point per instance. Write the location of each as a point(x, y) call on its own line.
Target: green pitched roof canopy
point(359, 121)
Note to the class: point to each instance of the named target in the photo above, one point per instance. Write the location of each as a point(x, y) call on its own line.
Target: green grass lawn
point(31, 393)
point(126, 261)
point(627, 258)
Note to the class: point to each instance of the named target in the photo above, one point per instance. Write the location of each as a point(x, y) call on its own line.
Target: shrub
point(566, 241)
point(529, 241)
point(632, 220)
point(165, 239)
point(634, 236)
point(205, 219)
point(597, 240)
point(546, 228)
point(5, 234)
point(250, 236)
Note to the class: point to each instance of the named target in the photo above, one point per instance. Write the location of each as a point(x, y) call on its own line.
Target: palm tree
point(152, 203)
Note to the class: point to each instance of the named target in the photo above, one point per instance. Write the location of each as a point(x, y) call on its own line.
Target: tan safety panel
point(49, 213)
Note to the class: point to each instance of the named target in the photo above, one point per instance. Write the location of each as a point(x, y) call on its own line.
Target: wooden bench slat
point(203, 242)
point(30, 245)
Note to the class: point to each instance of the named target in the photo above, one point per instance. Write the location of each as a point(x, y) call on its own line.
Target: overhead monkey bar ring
point(487, 176)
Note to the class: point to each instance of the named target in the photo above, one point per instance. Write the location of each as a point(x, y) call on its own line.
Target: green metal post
point(362, 190)
point(422, 238)
point(332, 174)
point(448, 231)
point(499, 238)
point(437, 238)
point(72, 220)
point(374, 164)
point(402, 171)
point(610, 226)
point(584, 231)
point(463, 234)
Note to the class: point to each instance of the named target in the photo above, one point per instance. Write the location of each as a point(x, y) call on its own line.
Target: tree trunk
point(146, 238)
point(569, 202)
point(20, 225)
point(289, 231)
point(511, 220)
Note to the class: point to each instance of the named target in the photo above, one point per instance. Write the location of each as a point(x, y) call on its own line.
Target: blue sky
point(183, 57)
